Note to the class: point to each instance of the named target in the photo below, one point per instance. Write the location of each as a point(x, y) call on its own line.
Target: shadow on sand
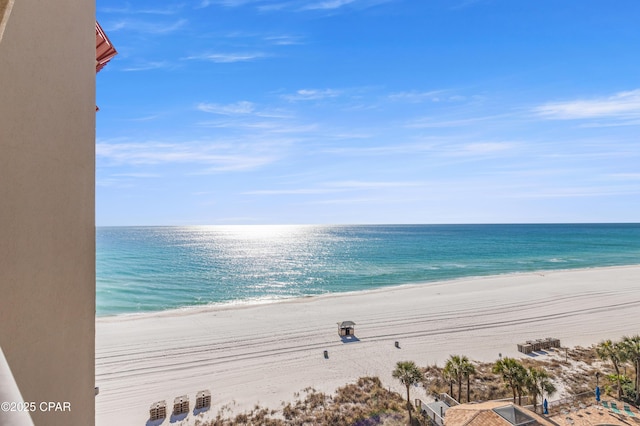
point(197, 411)
point(175, 418)
point(537, 353)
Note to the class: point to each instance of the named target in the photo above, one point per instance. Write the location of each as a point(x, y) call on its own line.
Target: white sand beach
point(263, 354)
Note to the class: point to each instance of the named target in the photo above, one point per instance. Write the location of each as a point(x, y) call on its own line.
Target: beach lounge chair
point(628, 411)
point(605, 404)
point(614, 408)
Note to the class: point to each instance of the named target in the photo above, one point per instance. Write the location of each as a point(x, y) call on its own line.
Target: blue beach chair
point(628, 411)
point(614, 408)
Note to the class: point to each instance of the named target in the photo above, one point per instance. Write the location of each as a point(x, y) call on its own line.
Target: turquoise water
point(146, 269)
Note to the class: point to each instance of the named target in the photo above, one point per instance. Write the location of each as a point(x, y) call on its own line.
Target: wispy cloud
point(241, 107)
point(428, 96)
point(622, 105)
point(297, 191)
point(283, 40)
point(338, 186)
point(330, 4)
point(114, 183)
point(168, 10)
point(415, 96)
point(148, 66)
point(272, 7)
point(624, 176)
point(227, 3)
point(352, 200)
point(295, 5)
point(482, 148)
point(231, 156)
point(338, 4)
point(145, 118)
point(441, 147)
point(312, 94)
point(138, 175)
point(246, 116)
point(574, 192)
point(146, 27)
point(250, 119)
point(262, 126)
point(436, 122)
point(382, 150)
point(357, 184)
point(225, 58)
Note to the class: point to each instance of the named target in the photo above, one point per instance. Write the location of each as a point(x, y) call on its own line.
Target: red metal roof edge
point(104, 48)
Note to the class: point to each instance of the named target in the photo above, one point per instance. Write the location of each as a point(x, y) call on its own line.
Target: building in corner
point(47, 192)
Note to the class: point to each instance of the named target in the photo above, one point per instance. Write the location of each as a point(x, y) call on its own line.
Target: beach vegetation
point(408, 373)
point(538, 383)
point(631, 349)
point(514, 376)
point(571, 373)
point(468, 370)
point(614, 352)
point(453, 372)
point(486, 385)
point(363, 403)
point(457, 369)
point(449, 376)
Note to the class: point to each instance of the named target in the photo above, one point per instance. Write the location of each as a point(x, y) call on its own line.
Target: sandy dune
point(264, 353)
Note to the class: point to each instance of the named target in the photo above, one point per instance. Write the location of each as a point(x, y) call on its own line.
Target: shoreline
point(264, 353)
point(242, 304)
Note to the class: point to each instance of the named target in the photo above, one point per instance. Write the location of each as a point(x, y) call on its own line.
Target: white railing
point(435, 417)
point(579, 397)
point(448, 399)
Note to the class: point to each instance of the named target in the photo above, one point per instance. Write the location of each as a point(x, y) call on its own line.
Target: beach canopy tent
point(158, 410)
point(181, 405)
point(203, 399)
point(346, 328)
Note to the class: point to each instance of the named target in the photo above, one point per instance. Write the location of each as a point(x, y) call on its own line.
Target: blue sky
point(369, 111)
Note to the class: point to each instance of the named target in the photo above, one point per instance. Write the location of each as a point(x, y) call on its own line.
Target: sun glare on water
point(273, 233)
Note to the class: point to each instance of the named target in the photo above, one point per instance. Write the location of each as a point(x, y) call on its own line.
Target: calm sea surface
point(145, 269)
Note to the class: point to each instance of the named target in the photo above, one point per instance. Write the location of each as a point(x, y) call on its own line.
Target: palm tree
point(409, 374)
point(513, 374)
point(610, 351)
point(449, 376)
point(454, 371)
point(467, 369)
point(632, 353)
point(537, 384)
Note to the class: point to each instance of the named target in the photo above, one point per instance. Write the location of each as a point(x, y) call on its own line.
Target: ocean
point(150, 269)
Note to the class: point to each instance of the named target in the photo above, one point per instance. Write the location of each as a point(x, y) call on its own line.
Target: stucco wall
point(47, 237)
